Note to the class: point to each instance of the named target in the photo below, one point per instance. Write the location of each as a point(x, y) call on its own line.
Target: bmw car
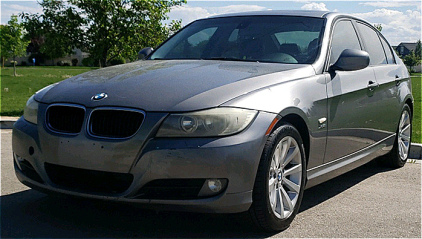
point(235, 113)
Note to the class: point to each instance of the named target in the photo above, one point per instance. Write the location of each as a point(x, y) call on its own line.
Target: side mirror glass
point(142, 54)
point(351, 60)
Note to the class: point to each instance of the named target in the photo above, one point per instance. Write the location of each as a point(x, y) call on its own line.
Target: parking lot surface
point(370, 201)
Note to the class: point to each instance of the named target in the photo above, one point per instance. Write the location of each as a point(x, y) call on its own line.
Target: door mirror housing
point(351, 60)
point(142, 54)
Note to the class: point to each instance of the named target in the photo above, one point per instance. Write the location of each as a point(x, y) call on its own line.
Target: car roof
point(303, 13)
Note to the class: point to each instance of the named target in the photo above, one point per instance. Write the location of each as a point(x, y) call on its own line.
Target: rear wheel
point(398, 156)
point(280, 180)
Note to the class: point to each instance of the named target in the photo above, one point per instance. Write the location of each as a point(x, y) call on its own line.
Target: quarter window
point(372, 45)
point(344, 37)
point(388, 53)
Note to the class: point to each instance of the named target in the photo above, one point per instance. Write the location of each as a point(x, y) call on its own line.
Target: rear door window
point(388, 52)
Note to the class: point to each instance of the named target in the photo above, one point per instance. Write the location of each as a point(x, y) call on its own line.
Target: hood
point(172, 85)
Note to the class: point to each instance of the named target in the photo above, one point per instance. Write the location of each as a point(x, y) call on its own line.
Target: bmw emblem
point(99, 96)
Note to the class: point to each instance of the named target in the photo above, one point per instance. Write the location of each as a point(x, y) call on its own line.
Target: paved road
point(368, 202)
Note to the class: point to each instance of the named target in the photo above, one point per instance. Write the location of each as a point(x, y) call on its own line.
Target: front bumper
point(233, 158)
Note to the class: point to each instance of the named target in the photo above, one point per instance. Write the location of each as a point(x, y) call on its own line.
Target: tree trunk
point(14, 66)
point(2, 61)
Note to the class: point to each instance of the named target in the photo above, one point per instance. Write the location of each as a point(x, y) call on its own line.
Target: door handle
point(372, 85)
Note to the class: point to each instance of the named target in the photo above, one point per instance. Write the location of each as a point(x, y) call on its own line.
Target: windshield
point(280, 39)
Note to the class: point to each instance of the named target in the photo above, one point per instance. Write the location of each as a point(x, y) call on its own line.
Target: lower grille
point(171, 189)
point(65, 119)
point(28, 170)
point(91, 181)
point(115, 123)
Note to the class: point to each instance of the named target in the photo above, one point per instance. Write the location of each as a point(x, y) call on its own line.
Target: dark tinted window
point(388, 52)
point(372, 45)
point(344, 37)
point(281, 39)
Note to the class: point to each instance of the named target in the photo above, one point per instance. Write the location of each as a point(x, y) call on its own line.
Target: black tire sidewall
point(269, 220)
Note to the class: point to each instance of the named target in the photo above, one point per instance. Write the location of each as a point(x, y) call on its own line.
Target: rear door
point(388, 75)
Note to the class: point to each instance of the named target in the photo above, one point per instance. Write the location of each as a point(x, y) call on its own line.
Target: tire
point(397, 157)
point(275, 181)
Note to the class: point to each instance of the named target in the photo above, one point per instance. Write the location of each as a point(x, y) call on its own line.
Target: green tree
point(418, 50)
point(13, 42)
point(378, 27)
point(109, 29)
point(5, 35)
point(54, 35)
point(411, 60)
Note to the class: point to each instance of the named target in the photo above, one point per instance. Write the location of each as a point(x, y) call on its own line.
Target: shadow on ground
point(32, 214)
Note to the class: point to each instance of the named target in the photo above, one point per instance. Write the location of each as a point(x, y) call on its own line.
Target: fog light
point(215, 185)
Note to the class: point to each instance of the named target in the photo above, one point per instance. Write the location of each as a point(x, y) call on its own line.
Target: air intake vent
point(90, 181)
point(65, 119)
point(171, 189)
point(115, 123)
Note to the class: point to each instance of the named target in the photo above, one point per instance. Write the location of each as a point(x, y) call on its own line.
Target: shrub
point(23, 63)
point(117, 61)
point(66, 63)
point(88, 61)
point(60, 63)
point(74, 62)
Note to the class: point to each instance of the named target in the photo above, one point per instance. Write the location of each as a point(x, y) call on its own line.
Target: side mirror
point(351, 60)
point(142, 54)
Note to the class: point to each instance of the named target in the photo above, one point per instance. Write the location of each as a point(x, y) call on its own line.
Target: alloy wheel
point(285, 177)
point(403, 139)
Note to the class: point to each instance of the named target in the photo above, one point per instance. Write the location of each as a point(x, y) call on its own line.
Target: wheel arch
point(296, 118)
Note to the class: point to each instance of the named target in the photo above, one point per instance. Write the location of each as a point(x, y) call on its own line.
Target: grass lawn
point(417, 117)
point(15, 91)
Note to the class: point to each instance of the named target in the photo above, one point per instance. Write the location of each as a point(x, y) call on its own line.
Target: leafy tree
point(411, 60)
point(109, 29)
point(4, 34)
point(13, 42)
point(378, 27)
point(418, 49)
point(53, 35)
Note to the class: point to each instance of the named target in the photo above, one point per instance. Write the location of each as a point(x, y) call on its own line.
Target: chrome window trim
point(88, 122)
point(49, 127)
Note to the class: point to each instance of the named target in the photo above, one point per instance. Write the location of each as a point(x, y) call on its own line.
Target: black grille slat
point(113, 123)
point(65, 119)
point(91, 181)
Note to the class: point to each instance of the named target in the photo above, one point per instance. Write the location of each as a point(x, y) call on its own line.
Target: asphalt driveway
point(370, 201)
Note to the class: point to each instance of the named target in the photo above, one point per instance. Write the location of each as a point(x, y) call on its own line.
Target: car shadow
point(31, 214)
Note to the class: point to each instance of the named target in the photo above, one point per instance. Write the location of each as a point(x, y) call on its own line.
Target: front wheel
point(280, 180)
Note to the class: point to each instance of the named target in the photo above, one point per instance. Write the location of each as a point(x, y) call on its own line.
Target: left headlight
point(30, 112)
point(207, 123)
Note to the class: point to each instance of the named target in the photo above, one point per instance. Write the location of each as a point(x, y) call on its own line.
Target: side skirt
point(347, 163)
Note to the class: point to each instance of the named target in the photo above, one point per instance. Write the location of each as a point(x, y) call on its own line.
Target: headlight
point(30, 112)
point(206, 123)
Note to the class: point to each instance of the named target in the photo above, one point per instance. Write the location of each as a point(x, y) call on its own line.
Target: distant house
point(404, 49)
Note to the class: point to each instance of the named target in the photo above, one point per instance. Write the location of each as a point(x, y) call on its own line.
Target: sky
point(400, 20)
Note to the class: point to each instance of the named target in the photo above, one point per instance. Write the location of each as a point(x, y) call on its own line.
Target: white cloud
point(393, 4)
point(314, 6)
point(189, 14)
point(7, 10)
point(396, 26)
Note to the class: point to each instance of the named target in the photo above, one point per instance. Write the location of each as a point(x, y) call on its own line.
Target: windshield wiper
point(227, 59)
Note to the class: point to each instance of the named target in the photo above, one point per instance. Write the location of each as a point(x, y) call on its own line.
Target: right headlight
point(30, 113)
point(207, 123)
